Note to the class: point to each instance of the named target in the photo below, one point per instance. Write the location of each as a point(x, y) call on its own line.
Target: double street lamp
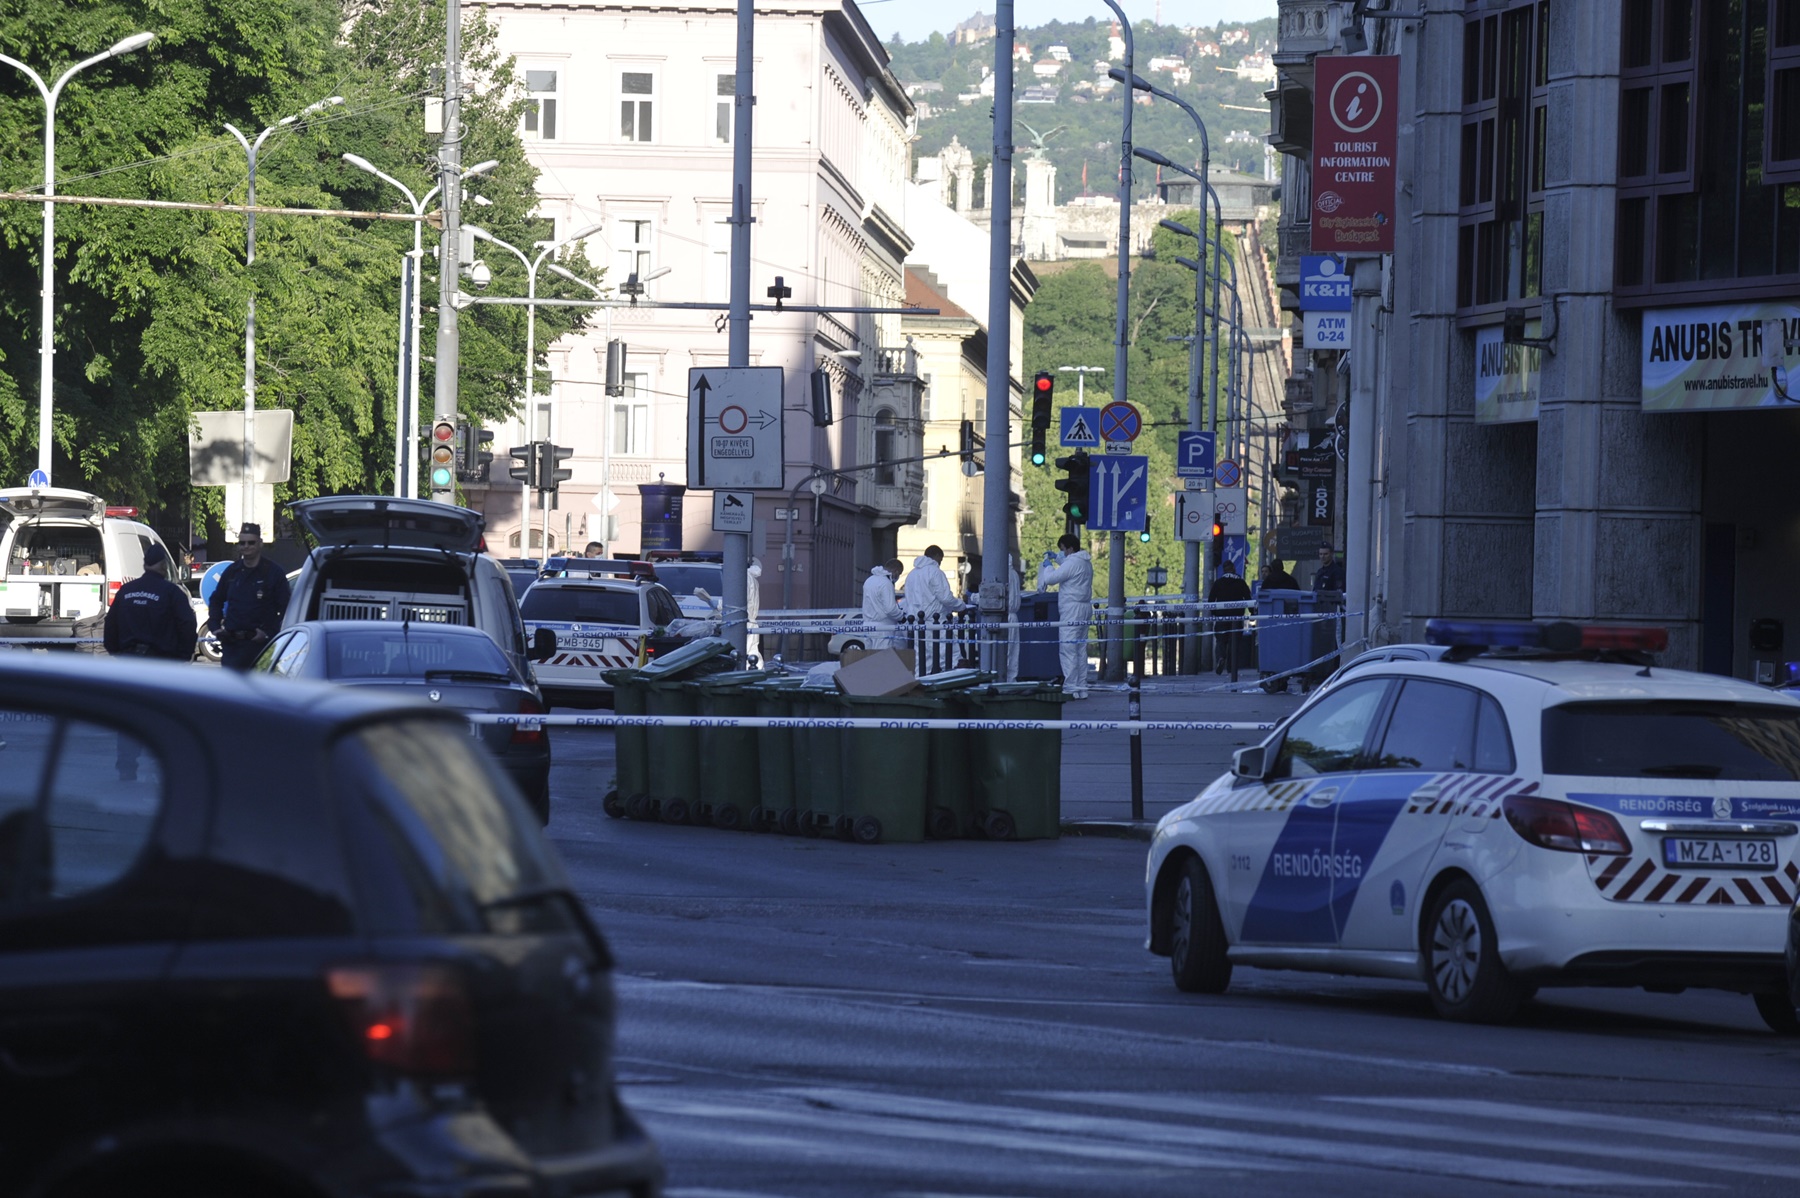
point(406, 387)
point(251, 150)
point(46, 333)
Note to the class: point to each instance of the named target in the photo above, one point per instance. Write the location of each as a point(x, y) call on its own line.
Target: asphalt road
point(806, 1017)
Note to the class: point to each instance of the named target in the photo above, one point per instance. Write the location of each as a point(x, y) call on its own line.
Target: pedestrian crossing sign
point(1081, 428)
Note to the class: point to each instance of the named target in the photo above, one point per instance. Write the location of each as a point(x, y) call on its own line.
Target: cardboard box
point(876, 673)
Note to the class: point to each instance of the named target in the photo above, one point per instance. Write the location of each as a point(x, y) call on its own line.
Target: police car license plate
point(1719, 854)
point(589, 643)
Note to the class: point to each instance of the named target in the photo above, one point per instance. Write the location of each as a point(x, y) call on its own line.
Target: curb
point(1115, 829)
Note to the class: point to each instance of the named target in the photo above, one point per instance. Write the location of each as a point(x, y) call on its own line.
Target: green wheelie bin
point(775, 809)
point(729, 783)
point(949, 812)
point(631, 791)
point(886, 770)
point(818, 761)
point(1016, 774)
point(674, 753)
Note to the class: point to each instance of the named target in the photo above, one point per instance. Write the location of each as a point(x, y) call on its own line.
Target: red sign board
point(1356, 126)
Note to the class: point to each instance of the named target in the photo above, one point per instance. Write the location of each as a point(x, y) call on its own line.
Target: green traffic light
point(1037, 459)
point(440, 477)
point(1144, 536)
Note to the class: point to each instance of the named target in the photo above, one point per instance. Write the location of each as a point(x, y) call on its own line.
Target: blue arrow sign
point(1120, 493)
point(1237, 552)
point(38, 479)
point(1081, 428)
point(1194, 454)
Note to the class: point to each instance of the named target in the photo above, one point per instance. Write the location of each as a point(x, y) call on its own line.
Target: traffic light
point(1218, 539)
point(615, 367)
point(443, 455)
point(472, 453)
point(550, 475)
point(969, 449)
point(1043, 390)
point(1076, 485)
point(525, 458)
point(1144, 532)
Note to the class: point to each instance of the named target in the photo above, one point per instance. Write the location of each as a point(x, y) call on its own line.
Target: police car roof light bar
point(1558, 637)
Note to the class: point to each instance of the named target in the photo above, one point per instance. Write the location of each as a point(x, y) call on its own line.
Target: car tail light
point(528, 734)
point(411, 1017)
point(129, 513)
point(112, 592)
point(1554, 824)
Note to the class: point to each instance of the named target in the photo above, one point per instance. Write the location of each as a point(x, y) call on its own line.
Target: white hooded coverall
point(752, 606)
point(880, 610)
point(1073, 579)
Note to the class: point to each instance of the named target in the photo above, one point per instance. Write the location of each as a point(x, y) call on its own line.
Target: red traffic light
point(1044, 381)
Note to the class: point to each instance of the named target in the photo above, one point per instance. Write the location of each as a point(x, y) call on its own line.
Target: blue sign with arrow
point(38, 479)
point(1194, 454)
point(1081, 428)
point(1120, 493)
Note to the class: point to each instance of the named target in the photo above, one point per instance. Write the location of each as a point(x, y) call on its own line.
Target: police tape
point(872, 723)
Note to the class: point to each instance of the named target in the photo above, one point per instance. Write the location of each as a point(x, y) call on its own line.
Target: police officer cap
point(250, 530)
point(155, 556)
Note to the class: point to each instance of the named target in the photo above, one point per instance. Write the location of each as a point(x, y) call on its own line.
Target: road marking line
point(1482, 1108)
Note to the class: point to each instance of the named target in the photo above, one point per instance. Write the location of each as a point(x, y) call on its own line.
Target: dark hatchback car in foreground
point(458, 668)
point(263, 937)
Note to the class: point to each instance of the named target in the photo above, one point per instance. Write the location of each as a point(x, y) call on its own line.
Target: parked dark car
point(455, 667)
point(265, 937)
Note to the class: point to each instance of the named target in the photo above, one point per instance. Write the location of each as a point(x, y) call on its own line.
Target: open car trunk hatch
point(388, 522)
point(52, 503)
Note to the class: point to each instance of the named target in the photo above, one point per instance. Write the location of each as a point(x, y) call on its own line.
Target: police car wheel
point(1778, 1012)
point(1463, 972)
point(849, 645)
point(1197, 934)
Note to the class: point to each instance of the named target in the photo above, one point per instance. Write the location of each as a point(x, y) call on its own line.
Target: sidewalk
point(1096, 766)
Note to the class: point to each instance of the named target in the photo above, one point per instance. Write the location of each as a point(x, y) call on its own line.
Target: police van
point(65, 554)
point(1541, 807)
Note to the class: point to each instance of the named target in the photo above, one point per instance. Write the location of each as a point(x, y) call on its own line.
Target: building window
point(886, 448)
point(631, 418)
point(637, 98)
point(634, 248)
point(718, 261)
point(540, 105)
point(1506, 73)
point(723, 115)
point(1709, 155)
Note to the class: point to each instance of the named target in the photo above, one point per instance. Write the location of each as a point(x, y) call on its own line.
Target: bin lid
point(1021, 688)
point(730, 679)
point(673, 664)
point(628, 674)
point(953, 679)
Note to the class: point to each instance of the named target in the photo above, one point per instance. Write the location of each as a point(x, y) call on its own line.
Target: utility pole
point(450, 244)
point(996, 484)
point(737, 544)
point(1115, 547)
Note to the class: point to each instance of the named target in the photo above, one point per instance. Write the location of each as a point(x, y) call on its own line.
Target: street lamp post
point(531, 270)
point(1081, 373)
point(251, 150)
point(46, 332)
point(406, 396)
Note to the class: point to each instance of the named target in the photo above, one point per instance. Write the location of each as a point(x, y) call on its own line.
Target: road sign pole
point(1115, 589)
point(737, 544)
point(999, 528)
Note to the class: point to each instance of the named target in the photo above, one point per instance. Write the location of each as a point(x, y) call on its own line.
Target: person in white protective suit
point(928, 600)
point(1073, 578)
point(752, 605)
point(880, 609)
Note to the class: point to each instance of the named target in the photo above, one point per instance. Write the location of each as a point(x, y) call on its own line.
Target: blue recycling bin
point(1039, 656)
point(1284, 637)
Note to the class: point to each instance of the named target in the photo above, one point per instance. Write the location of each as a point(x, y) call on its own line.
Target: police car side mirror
point(543, 644)
point(1250, 762)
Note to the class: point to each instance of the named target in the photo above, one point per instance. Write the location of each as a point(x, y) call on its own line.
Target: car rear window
point(589, 605)
point(409, 652)
point(464, 849)
point(682, 580)
point(1737, 741)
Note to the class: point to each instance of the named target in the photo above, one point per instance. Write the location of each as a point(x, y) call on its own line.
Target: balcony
point(896, 400)
point(1295, 239)
point(1308, 27)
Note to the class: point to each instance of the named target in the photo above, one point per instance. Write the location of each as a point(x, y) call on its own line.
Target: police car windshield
point(575, 604)
point(1727, 741)
point(682, 579)
point(411, 652)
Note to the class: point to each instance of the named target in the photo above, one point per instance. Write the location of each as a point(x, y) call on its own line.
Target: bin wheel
point(809, 823)
point(998, 825)
point(638, 807)
point(613, 804)
point(761, 819)
point(943, 824)
point(844, 826)
point(866, 830)
point(789, 822)
point(675, 811)
point(727, 817)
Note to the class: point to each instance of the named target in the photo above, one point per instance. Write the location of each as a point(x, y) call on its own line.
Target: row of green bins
point(1016, 774)
point(730, 783)
point(658, 773)
point(778, 809)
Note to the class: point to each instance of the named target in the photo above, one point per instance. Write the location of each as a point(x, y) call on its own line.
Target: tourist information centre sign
point(1356, 135)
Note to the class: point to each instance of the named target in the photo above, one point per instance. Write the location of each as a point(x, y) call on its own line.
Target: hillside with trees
point(1086, 119)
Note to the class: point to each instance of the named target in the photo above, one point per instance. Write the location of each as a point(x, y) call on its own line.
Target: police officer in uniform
point(247, 604)
point(151, 616)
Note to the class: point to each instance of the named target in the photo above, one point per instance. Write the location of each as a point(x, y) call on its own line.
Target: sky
point(917, 19)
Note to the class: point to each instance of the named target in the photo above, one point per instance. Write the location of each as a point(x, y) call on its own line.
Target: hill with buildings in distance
point(1064, 100)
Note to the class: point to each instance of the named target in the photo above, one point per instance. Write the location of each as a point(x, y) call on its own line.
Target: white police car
point(1544, 813)
point(600, 624)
